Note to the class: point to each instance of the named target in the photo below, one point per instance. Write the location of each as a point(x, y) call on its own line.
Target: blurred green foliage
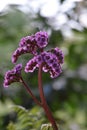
point(66, 95)
point(26, 119)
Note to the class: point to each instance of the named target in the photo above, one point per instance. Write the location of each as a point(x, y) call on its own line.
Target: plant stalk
point(43, 100)
point(30, 92)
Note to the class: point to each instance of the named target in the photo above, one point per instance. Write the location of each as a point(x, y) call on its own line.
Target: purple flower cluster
point(26, 45)
point(13, 75)
point(50, 60)
point(50, 63)
point(30, 44)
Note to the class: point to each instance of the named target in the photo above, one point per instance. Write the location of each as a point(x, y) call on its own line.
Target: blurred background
point(66, 23)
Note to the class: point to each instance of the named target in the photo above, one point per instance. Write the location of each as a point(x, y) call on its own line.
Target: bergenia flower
point(22, 50)
point(51, 60)
point(58, 52)
point(51, 63)
point(26, 45)
point(13, 75)
point(31, 44)
point(41, 39)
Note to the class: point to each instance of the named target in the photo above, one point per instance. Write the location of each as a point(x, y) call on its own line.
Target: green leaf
point(26, 119)
point(11, 126)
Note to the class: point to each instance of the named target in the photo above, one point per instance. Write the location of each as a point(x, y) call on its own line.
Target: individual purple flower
point(55, 71)
point(28, 40)
point(31, 65)
point(23, 41)
point(49, 58)
point(18, 69)
point(59, 54)
point(39, 60)
point(41, 39)
point(13, 75)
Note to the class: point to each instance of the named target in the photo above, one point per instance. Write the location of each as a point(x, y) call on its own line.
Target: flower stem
point(30, 92)
point(43, 100)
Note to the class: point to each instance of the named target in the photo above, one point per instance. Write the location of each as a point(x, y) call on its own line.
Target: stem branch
point(30, 92)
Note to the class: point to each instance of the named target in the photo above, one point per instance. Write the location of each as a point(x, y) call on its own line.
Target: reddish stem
point(43, 100)
point(30, 92)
